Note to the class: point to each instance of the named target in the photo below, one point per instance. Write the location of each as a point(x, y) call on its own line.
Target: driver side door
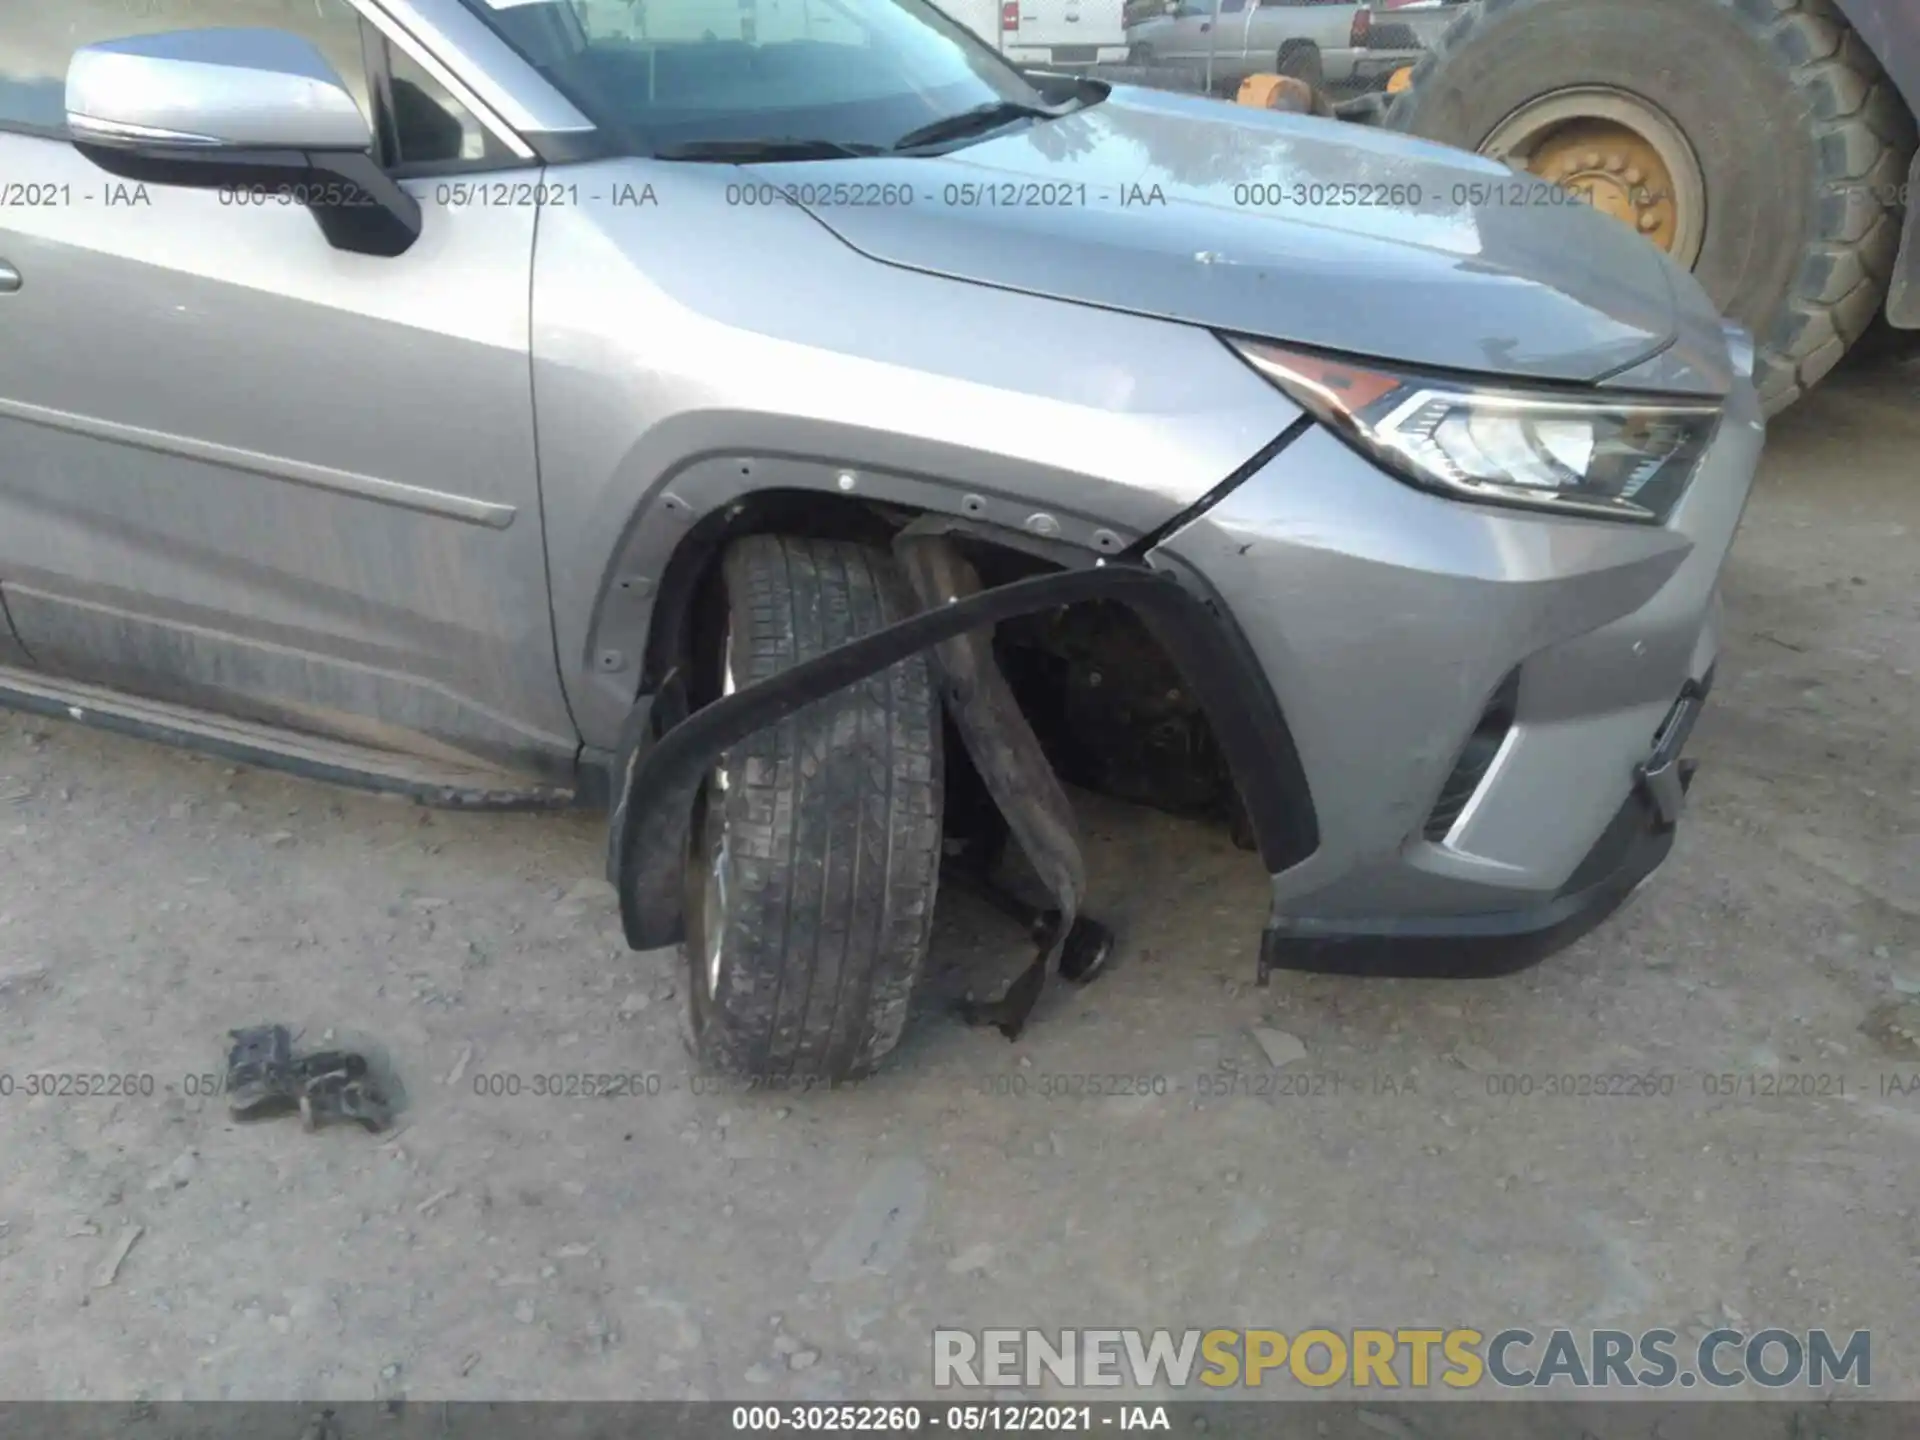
point(249, 472)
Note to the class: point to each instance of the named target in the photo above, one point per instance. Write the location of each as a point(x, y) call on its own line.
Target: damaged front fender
point(659, 781)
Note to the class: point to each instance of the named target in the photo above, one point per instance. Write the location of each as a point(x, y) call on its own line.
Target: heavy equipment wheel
point(1760, 145)
point(815, 850)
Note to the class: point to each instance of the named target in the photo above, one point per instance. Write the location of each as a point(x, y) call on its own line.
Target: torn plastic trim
point(998, 738)
point(658, 782)
point(1008, 757)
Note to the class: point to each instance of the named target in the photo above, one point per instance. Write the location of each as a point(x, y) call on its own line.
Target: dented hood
point(1289, 227)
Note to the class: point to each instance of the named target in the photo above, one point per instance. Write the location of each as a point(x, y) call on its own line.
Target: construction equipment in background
point(1222, 43)
point(1283, 92)
point(1770, 150)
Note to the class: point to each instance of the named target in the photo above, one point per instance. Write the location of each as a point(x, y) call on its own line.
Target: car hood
point(1283, 226)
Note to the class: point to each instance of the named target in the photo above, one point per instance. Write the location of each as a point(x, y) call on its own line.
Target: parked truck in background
point(1409, 25)
point(1229, 40)
point(1054, 34)
point(1057, 34)
point(1768, 146)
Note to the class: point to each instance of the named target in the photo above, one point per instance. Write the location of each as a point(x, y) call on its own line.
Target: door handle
point(9, 278)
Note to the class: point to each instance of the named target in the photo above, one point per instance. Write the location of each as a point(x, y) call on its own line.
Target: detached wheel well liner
point(657, 779)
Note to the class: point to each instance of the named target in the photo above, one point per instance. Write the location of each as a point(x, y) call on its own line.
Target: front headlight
point(1622, 458)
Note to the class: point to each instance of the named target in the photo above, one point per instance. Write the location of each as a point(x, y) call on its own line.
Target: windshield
point(668, 74)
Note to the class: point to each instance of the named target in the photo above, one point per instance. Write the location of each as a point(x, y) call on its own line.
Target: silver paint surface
point(1285, 226)
point(426, 503)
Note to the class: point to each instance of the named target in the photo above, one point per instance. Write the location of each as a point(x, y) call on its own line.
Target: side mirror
point(239, 110)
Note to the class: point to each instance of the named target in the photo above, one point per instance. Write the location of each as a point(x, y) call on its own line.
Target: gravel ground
point(695, 1243)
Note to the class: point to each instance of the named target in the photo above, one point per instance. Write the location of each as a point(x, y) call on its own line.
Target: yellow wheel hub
point(1623, 153)
point(1619, 172)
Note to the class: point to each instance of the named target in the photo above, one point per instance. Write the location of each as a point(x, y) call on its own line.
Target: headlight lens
point(1624, 459)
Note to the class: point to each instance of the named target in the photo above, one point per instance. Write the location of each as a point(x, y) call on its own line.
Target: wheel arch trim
point(636, 597)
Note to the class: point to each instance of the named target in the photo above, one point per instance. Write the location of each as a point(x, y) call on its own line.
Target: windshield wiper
point(748, 151)
point(979, 119)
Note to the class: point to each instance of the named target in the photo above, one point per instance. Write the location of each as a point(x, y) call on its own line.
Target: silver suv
point(823, 446)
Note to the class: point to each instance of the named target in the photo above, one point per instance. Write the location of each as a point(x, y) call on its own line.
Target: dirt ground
point(728, 1245)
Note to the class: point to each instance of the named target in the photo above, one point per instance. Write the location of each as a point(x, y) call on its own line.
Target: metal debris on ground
point(109, 1268)
point(265, 1078)
point(460, 1066)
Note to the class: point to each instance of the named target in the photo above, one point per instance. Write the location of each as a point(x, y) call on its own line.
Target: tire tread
point(834, 825)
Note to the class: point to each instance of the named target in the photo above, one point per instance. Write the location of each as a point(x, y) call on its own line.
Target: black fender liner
point(1001, 743)
point(1008, 757)
point(657, 782)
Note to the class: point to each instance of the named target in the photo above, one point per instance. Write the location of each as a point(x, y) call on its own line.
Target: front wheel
point(815, 849)
point(1760, 145)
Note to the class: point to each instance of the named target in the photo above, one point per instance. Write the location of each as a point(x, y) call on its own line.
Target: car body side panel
point(253, 473)
point(675, 369)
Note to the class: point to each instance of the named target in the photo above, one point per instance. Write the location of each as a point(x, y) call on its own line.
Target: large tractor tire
point(1758, 142)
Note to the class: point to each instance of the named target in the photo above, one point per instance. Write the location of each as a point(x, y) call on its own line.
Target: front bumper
point(1392, 624)
point(1498, 942)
